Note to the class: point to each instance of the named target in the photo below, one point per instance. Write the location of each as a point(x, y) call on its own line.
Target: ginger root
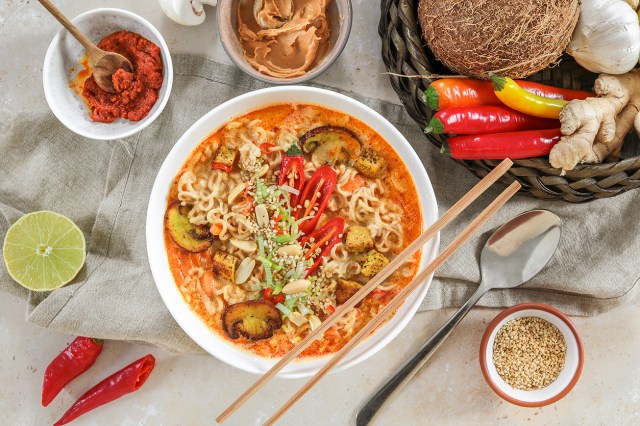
point(595, 128)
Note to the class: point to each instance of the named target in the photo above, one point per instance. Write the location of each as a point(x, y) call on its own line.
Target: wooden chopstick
point(429, 233)
point(401, 296)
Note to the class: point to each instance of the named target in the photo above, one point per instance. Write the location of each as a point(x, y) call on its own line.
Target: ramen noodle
point(279, 217)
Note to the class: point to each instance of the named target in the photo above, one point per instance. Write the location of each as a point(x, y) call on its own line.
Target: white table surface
point(193, 389)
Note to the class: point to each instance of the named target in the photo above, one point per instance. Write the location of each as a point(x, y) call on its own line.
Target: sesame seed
point(529, 353)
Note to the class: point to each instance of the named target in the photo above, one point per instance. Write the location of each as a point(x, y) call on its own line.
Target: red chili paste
point(136, 92)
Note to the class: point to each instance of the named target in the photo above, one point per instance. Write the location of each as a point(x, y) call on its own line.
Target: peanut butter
point(292, 49)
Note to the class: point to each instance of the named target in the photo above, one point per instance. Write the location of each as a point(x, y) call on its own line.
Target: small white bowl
point(190, 322)
point(65, 53)
point(568, 376)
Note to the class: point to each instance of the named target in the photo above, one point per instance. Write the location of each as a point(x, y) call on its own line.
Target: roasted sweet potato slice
point(330, 144)
point(254, 319)
point(193, 238)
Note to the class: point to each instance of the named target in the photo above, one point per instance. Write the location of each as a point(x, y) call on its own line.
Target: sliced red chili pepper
point(331, 308)
point(269, 297)
point(316, 193)
point(482, 119)
point(497, 146)
point(125, 381)
point(276, 225)
point(264, 147)
point(324, 239)
point(292, 172)
point(69, 364)
point(249, 199)
point(377, 294)
point(221, 167)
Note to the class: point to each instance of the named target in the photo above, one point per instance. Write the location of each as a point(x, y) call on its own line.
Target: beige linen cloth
point(104, 187)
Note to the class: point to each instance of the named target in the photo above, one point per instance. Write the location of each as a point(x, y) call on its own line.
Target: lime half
point(43, 251)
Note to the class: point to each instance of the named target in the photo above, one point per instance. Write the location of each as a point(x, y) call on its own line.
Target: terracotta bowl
point(568, 376)
point(340, 15)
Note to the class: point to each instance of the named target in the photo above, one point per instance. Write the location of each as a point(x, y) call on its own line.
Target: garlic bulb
point(607, 37)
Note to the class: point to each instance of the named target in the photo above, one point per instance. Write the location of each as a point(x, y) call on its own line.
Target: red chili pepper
point(317, 192)
point(276, 227)
point(72, 362)
point(457, 92)
point(497, 146)
point(474, 120)
point(264, 147)
point(269, 297)
point(221, 167)
point(292, 172)
point(331, 308)
point(249, 199)
point(324, 238)
point(125, 381)
point(378, 294)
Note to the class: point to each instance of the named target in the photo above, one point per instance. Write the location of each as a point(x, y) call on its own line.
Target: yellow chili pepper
point(526, 102)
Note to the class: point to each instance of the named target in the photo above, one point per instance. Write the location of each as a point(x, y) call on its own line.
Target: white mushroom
point(186, 12)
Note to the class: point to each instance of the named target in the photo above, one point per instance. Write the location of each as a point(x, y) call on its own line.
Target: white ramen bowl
point(65, 53)
point(212, 121)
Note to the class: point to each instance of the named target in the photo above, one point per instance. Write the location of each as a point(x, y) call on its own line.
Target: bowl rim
point(491, 328)
point(188, 320)
point(168, 69)
point(315, 72)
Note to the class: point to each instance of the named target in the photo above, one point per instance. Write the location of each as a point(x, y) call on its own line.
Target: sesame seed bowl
point(557, 385)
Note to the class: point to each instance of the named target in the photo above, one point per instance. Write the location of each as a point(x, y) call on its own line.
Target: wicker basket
point(404, 52)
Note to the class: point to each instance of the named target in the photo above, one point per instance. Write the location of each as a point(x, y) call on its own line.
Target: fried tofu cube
point(358, 239)
point(224, 265)
point(345, 289)
point(373, 263)
point(225, 156)
point(370, 164)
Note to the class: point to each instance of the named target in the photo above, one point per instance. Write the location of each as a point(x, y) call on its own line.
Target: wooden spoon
point(104, 64)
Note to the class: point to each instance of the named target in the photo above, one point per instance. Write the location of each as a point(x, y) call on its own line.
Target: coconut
point(512, 38)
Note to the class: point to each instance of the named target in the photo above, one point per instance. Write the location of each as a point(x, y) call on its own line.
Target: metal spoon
point(514, 254)
point(275, 21)
point(103, 63)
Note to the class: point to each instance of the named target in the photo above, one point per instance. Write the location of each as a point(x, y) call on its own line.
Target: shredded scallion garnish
point(286, 311)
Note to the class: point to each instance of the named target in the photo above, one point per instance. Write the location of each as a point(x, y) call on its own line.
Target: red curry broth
point(181, 261)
